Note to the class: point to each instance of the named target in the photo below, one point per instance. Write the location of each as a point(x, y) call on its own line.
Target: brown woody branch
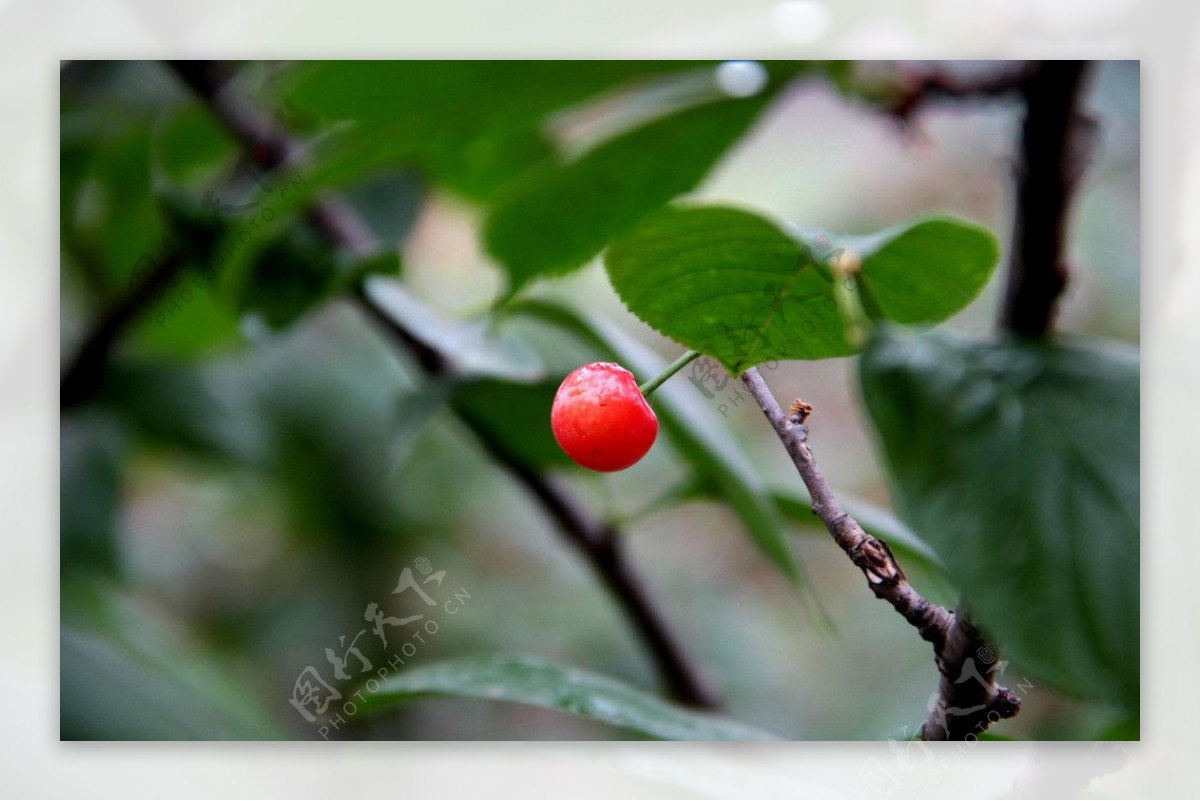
point(968, 697)
point(343, 228)
point(1056, 141)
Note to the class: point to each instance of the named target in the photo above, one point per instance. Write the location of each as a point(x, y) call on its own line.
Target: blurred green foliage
point(261, 462)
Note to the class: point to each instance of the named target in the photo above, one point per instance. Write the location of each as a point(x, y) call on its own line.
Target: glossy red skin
point(600, 418)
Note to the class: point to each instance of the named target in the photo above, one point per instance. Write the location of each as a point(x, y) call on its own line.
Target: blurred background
point(254, 469)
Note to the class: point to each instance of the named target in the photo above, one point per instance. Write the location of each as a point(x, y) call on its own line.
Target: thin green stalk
point(671, 370)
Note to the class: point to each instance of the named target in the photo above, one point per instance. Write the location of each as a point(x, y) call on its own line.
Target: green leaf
point(129, 672)
point(694, 428)
point(456, 92)
point(286, 270)
point(264, 215)
point(469, 125)
point(561, 215)
point(533, 682)
point(927, 271)
point(289, 276)
point(727, 283)
point(733, 285)
point(468, 348)
point(1018, 462)
point(187, 317)
point(192, 148)
point(187, 320)
point(114, 220)
point(270, 261)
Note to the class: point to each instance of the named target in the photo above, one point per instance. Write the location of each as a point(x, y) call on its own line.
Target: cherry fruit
point(600, 418)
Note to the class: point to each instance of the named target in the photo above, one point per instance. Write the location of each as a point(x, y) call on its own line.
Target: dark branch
point(342, 227)
point(85, 371)
point(1056, 141)
point(1055, 144)
point(967, 696)
point(927, 88)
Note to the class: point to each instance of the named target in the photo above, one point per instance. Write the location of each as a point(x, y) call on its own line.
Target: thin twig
point(1056, 140)
point(933, 86)
point(342, 227)
point(962, 707)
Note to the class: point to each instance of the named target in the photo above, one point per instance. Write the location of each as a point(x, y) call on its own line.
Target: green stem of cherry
point(672, 369)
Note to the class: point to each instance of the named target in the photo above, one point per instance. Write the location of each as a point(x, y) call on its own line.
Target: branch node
point(1005, 703)
point(799, 411)
point(874, 558)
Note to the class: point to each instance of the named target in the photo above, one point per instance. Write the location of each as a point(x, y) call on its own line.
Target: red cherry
point(600, 418)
